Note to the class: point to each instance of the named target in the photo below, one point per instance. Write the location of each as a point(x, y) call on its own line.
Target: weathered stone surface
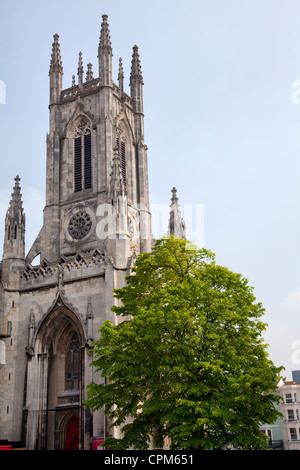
point(70, 292)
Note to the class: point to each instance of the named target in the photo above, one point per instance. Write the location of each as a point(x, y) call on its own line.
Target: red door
point(73, 434)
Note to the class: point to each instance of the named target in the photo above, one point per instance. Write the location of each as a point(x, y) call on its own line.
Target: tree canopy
point(187, 361)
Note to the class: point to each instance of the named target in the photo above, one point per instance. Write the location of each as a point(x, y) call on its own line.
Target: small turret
point(80, 71)
point(105, 54)
point(136, 82)
point(89, 73)
point(176, 223)
point(14, 238)
point(55, 72)
point(121, 78)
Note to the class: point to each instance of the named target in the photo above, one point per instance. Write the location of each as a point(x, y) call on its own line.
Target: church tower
point(96, 222)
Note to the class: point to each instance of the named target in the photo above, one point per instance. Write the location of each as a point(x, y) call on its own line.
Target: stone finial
point(89, 73)
point(17, 187)
point(55, 72)
point(104, 42)
point(16, 203)
point(14, 239)
point(174, 198)
point(105, 55)
point(80, 70)
point(176, 222)
point(136, 70)
point(121, 72)
point(121, 77)
point(56, 63)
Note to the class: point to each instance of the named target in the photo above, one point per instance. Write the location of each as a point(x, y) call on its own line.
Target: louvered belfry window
point(82, 158)
point(87, 162)
point(122, 153)
point(123, 161)
point(77, 165)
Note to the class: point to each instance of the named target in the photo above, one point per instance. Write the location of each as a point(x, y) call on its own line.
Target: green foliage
point(188, 362)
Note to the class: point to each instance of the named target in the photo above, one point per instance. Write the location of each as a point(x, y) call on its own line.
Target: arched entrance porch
point(57, 374)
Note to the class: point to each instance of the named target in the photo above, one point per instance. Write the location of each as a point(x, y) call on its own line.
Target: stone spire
point(55, 63)
point(80, 70)
point(56, 71)
point(104, 43)
point(121, 78)
point(176, 223)
point(136, 82)
point(89, 73)
point(14, 239)
point(136, 70)
point(16, 196)
point(105, 54)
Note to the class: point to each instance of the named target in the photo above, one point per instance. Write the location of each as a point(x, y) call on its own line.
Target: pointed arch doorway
point(64, 385)
point(58, 371)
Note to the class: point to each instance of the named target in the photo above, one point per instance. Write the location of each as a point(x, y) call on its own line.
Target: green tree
point(188, 361)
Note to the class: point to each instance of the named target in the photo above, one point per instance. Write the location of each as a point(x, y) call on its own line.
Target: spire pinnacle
point(121, 77)
point(55, 63)
point(104, 43)
point(136, 83)
point(136, 71)
point(174, 198)
point(55, 72)
point(105, 55)
point(16, 196)
point(89, 73)
point(80, 70)
point(176, 222)
point(14, 239)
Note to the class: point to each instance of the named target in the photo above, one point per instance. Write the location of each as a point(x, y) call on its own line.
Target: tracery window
point(72, 364)
point(82, 158)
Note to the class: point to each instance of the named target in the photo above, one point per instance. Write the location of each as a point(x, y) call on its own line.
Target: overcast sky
point(222, 124)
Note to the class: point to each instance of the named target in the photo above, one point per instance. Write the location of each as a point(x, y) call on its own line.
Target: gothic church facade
point(96, 222)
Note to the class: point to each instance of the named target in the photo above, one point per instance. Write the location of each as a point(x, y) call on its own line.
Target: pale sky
point(221, 124)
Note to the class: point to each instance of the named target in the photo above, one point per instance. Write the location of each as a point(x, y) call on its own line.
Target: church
point(96, 221)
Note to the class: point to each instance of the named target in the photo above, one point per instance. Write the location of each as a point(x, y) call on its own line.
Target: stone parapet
point(77, 266)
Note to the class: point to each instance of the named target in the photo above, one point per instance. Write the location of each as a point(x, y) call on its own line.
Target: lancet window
point(72, 364)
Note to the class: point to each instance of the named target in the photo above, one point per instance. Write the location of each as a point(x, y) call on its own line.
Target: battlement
point(79, 265)
point(90, 87)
